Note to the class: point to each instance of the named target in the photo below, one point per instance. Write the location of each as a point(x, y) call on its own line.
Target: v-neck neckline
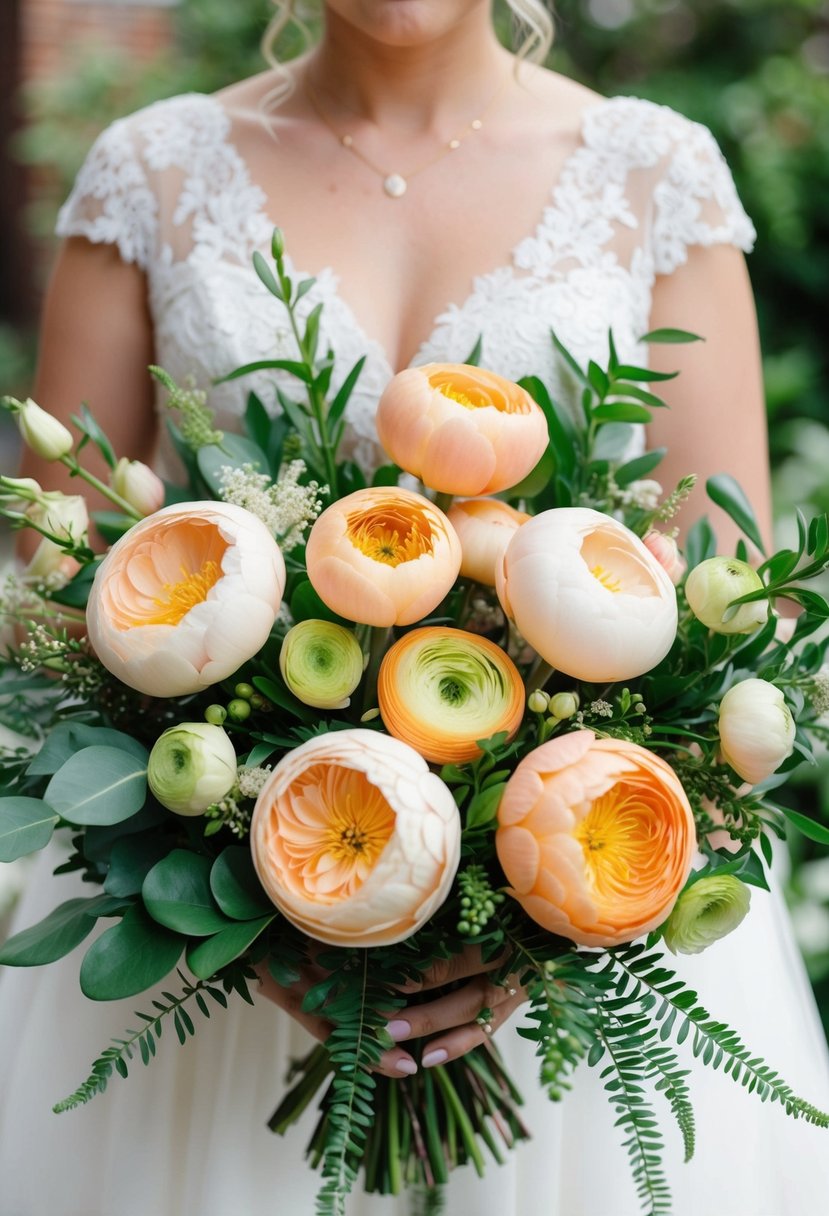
point(328, 272)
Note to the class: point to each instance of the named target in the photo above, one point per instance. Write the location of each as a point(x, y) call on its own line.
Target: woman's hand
point(452, 1017)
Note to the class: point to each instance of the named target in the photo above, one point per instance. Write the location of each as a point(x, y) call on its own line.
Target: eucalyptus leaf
point(177, 894)
point(131, 860)
point(99, 785)
point(26, 825)
point(235, 886)
point(58, 933)
point(209, 956)
point(129, 957)
point(233, 451)
point(67, 738)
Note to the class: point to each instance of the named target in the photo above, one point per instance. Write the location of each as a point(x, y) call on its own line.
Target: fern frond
point(144, 1040)
point(713, 1041)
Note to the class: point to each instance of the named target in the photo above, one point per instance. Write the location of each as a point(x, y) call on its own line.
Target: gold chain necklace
point(395, 184)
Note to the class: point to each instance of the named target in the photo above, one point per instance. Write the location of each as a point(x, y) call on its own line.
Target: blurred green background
point(755, 71)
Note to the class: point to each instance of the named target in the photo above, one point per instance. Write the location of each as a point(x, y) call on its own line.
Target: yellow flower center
point(176, 599)
point(620, 837)
point(391, 535)
point(607, 580)
point(334, 824)
point(463, 399)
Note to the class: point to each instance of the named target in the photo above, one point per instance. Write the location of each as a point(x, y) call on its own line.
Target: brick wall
point(52, 29)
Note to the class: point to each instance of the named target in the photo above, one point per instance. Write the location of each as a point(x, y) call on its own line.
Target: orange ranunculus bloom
point(382, 556)
point(460, 429)
point(442, 689)
point(354, 839)
point(596, 838)
point(485, 527)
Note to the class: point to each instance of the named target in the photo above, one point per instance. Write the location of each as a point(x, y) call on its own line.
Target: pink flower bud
point(138, 485)
point(666, 551)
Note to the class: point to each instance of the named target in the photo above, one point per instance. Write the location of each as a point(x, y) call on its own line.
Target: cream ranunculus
point(713, 584)
point(138, 485)
point(185, 597)
point(587, 595)
point(354, 839)
point(461, 429)
point(382, 556)
point(485, 527)
point(709, 909)
point(191, 766)
point(322, 663)
point(756, 729)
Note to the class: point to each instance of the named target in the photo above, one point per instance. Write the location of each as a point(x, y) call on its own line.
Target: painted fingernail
point(398, 1029)
point(406, 1066)
point(432, 1058)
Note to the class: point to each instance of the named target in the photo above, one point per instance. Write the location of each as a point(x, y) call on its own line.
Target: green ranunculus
point(191, 766)
point(322, 663)
point(708, 910)
point(714, 584)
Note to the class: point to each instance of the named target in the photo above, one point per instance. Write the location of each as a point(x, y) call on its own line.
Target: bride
point(441, 189)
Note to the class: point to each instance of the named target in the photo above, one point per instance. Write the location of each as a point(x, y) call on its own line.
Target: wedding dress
point(186, 1136)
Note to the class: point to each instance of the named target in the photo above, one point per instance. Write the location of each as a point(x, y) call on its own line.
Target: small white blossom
point(251, 780)
point(602, 709)
point(644, 494)
point(285, 507)
point(819, 691)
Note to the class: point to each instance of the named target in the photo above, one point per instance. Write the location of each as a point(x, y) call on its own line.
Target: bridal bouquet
point(340, 732)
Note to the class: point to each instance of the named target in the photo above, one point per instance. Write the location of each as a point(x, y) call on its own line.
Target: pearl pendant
point(395, 185)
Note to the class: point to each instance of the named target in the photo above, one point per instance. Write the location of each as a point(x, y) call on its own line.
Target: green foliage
point(129, 957)
point(145, 1039)
point(26, 825)
point(177, 894)
point(58, 933)
point(99, 785)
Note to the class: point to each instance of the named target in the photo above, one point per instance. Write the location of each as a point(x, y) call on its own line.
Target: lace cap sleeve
point(695, 200)
point(112, 201)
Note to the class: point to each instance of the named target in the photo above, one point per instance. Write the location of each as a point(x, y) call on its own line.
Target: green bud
point(537, 702)
point(245, 691)
point(708, 910)
point(191, 766)
point(322, 663)
point(277, 245)
point(564, 705)
point(239, 710)
point(215, 714)
point(713, 584)
point(257, 701)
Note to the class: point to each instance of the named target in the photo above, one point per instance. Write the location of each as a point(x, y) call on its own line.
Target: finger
point(450, 1010)
point(457, 1042)
point(458, 967)
point(396, 1063)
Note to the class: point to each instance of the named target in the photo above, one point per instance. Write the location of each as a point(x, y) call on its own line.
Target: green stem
point(395, 1180)
point(77, 470)
point(315, 400)
point(444, 501)
point(455, 1105)
point(539, 675)
point(378, 642)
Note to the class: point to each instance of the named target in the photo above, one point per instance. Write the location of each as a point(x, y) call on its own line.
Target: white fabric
point(186, 1136)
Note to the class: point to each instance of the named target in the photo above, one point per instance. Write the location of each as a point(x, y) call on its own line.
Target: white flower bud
point(537, 702)
point(64, 515)
point(713, 584)
point(564, 705)
point(138, 485)
point(43, 433)
point(191, 766)
point(756, 729)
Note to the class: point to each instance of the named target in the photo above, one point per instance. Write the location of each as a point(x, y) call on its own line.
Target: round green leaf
point(210, 956)
point(176, 893)
point(99, 785)
point(130, 862)
point(26, 825)
point(128, 958)
point(235, 886)
point(57, 934)
point(69, 737)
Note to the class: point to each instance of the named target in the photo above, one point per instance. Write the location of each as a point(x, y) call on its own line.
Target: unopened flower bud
point(538, 702)
point(51, 562)
point(666, 551)
point(564, 705)
point(19, 489)
point(708, 910)
point(138, 485)
point(65, 516)
point(322, 663)
point(756, 729)
point(713, 584)
point(277, 245)
point(192, 766)
point(44, 434)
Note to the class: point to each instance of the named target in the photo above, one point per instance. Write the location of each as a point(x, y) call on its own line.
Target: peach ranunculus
point(460, 429)
point(442, 689)
point(596, 837)
point(587, 595)
point(354, 839)
point(382, 556)
point(485, 527)
point(185, 597)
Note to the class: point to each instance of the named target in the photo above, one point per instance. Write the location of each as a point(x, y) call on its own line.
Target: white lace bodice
point(168, 187)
